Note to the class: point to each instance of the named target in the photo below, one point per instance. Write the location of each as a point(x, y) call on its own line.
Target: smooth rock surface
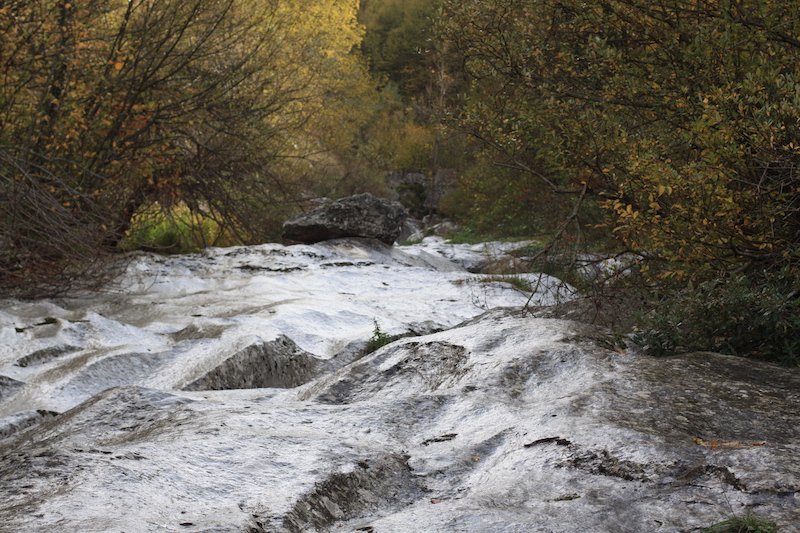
point(242, 317)
point(228, 392)
point(505, 424)
point(362, 215)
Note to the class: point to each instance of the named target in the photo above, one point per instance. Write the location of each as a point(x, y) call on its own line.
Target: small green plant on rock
point(515, 281)
point(378, 339)
point(745, 524)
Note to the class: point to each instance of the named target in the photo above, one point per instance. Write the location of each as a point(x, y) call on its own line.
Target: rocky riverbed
point(228, 391)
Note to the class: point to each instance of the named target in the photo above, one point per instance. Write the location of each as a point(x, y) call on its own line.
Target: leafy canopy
point(680, 116)
point(109, 108)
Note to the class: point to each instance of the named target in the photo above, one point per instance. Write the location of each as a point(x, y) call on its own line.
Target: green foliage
point(515, 281)
point(416, 70)
point(397, 40)
point(412, 196)
point(176, 230)
point(747, 524)
point(500, 202)
point(681, 119)
point(675, 123)
point(392, 136)
point(232, 107)
point(379, 339)
point(756, 315)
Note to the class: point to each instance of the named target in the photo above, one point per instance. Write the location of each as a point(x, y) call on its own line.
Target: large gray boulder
point(504, 424)
point(362, 215)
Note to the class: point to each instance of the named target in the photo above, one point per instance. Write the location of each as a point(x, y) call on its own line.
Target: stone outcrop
point(362, 215)
point(275, 364)
point(503, 424)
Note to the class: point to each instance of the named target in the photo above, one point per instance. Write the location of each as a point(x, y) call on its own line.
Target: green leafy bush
point(499, 202)
point(681, 122)
point(755, 315)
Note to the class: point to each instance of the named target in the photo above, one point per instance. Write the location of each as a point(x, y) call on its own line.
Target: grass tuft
point(749, 523)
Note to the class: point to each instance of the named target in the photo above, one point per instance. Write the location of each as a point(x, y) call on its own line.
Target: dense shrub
point(500, 202)
point(756, 315)
point(680, 118)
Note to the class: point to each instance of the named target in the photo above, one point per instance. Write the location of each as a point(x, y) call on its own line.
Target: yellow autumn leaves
point(683, 118)
point(113, 107)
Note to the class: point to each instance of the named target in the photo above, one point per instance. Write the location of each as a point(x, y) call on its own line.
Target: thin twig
point(557, 236)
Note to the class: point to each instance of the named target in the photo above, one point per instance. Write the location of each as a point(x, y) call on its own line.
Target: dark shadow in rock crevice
point(427, 366)
point(46, 355)
point(374, 486)
point(12, 425)
point(9, 387)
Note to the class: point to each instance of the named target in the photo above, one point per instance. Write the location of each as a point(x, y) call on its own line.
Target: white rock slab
point(174, 319)
point(505, 424)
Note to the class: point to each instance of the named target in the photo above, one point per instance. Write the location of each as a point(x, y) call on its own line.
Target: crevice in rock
point(547, 440)
point(430, 365)
point(435, 362)
point(199, 331)
point(374, 485)
point(689, 475)
point(445, 468)
point(726, 476)
point(260, 268)
point(14, 424)
point(604, 463)
point(275, 364)
point(46, 355)
point(9, 386)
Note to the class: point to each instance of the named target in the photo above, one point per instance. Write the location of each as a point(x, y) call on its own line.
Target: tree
point(680, 119)
point(110, 107)
point(416, 74)
point(399, 40)
point(679, 116)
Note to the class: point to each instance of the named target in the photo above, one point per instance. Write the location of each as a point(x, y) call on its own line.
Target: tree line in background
point(663, 130)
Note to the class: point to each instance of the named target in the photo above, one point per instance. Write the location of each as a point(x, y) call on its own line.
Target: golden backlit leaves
point(213, 105)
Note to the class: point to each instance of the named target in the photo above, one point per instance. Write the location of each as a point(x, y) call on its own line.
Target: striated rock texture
point(362, 215)
point(275, 364)
point(503, 424)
